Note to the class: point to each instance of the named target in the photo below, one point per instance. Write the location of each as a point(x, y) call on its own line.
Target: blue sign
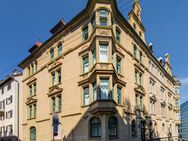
point(55, 121)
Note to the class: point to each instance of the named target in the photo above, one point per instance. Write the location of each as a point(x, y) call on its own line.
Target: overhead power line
point(8, 69)
point(166, 21)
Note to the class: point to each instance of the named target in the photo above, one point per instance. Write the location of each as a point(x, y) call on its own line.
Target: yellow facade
point(130, 81)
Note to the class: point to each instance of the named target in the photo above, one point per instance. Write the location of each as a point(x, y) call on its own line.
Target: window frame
point(103, 17)
point(97, 125)
point(115, 124)
point(85, 33)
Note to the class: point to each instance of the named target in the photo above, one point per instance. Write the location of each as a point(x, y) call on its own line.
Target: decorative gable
point(31, 100)
point(140, 89)
point(54, 90)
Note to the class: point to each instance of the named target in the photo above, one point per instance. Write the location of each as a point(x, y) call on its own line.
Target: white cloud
point(184, 81)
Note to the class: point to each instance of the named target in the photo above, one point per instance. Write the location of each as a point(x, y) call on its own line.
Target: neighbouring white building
point(11, 107)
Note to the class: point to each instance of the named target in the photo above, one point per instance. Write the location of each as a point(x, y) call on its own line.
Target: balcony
point(103, 107)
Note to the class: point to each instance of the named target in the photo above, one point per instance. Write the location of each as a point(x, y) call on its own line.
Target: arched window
point(95, 127)
point(103, 17)
point(112, 127)
point(32, 134)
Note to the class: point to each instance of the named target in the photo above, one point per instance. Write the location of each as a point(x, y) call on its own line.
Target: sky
point(23, 22)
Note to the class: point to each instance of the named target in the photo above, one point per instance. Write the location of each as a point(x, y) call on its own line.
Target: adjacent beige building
point(98, 73)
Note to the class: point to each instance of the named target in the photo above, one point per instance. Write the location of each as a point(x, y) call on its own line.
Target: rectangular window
point(140, 79)
point(9, 86)
point(85, 33)
point(30, 111)
point(136, 76)
point(94, 56)
point(93, 22)
point(53, 78)
point(59, 49)
point(2, 90)
point(9, 114)
point(141, 55)
point(35, 110)
point(135, 51)
point(36, 66)
point(118, 35)
point(30, 90)
point(51, 54)
point(35, 88)
point(9, 100)
point(119, 95)
point(104, 53)
point(32, 69)
point(152, 87)
point(104, 86)
point(103, 17)
point(141, 103)
point(94, 91)
point(118, 65)
point(53, 104)
point(59, 103)
point(85, 64)
point(86, 95)
point(59, 76)
point(137, 99)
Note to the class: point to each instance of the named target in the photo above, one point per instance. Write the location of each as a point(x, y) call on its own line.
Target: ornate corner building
point(98, 74)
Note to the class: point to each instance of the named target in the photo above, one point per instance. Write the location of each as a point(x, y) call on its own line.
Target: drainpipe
point(18, 110)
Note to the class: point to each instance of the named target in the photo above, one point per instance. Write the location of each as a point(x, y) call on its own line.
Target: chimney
point(58, 26)
point(150, 46)
point(35, 46)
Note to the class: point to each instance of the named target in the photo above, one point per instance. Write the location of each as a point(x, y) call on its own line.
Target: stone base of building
point(10, 138)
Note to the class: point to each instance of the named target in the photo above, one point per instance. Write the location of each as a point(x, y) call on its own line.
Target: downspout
point(18, 110)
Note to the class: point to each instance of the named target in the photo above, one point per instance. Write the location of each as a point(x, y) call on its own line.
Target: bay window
point(94, 91)
point(119, 95)
point(104, 53)
point(94, 57)
point(86, 96)
point(103, 17)
point(85, 64)
point(104, 88)
point(118, 65)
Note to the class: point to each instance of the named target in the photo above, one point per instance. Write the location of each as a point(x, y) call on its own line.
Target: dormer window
point(103, 17)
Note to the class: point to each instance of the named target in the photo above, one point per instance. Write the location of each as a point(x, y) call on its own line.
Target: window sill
point(95, 138)
point(113, 138)
point(31, 118)
point(57, 112)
